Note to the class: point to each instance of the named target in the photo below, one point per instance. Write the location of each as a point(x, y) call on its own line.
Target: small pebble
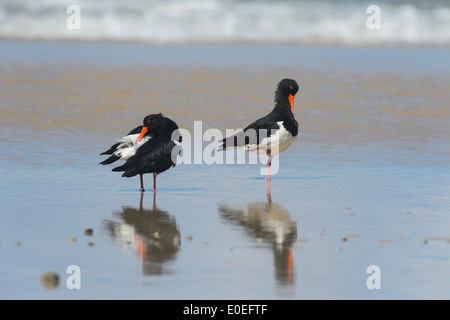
point(189, 238)
point(90, 244)
point(73, 239)
point(89, 232)
point(50, 280)
point(344, 239)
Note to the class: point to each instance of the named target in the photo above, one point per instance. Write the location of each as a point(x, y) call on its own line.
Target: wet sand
point(365, 184)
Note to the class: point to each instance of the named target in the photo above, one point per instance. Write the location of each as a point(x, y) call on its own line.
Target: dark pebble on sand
point(89, 232)
point(50, 280)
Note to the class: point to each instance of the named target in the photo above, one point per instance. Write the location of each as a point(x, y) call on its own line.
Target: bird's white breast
point(279, 141)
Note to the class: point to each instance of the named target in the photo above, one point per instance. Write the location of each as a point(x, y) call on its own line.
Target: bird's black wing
point(253, 133)
point(153, 156)
point(114, 146)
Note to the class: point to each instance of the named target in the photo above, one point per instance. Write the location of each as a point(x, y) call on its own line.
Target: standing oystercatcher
point(273, 133)
point(149, 148)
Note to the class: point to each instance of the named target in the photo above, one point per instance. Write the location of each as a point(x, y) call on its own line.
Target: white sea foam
point(225, 21)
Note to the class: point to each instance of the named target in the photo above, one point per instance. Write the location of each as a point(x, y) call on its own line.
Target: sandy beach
point(366, 183)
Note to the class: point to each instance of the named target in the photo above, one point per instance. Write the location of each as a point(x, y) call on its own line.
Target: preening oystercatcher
point(150, 148)
point(273, 133)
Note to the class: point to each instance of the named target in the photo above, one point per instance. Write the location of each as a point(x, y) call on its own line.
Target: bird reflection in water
point(152, 233)
point(271, 223)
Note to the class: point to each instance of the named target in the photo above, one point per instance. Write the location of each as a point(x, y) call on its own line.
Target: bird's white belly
point(279, 141)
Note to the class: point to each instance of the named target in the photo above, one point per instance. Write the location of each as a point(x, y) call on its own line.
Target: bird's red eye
point(291, 87)
point(148, 121)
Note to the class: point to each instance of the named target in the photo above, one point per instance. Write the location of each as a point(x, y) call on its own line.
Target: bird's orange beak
point(141, 135)
point(291, 101)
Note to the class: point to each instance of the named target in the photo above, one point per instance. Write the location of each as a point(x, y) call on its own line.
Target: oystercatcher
point(150, 148)
point(273, 133)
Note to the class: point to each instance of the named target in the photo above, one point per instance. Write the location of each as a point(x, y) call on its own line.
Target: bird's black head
point(287, 87)
point(152, 119)
point(152, 122)
point(159, 126)
point(151, 125)
point(286, 90)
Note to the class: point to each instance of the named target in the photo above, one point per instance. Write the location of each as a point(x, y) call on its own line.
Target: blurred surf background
point(416, 22)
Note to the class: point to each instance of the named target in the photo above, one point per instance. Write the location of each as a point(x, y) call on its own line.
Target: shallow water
point(367, 182)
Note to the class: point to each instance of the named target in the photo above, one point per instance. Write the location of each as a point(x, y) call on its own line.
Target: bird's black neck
point(282, 105)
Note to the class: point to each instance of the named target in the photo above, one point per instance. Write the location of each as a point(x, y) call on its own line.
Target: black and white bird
point(150, 148)
point(272, 134)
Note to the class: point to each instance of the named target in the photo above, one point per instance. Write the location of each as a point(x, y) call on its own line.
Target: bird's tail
point(111, 150)
point(127, 172)
point(111, 159)
point(222, 146)
point(235, 141)
point(123, 167)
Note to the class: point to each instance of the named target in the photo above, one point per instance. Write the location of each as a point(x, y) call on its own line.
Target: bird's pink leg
point(154, 182)
point(141, 201)
point(268, 173)
point(268, 179)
